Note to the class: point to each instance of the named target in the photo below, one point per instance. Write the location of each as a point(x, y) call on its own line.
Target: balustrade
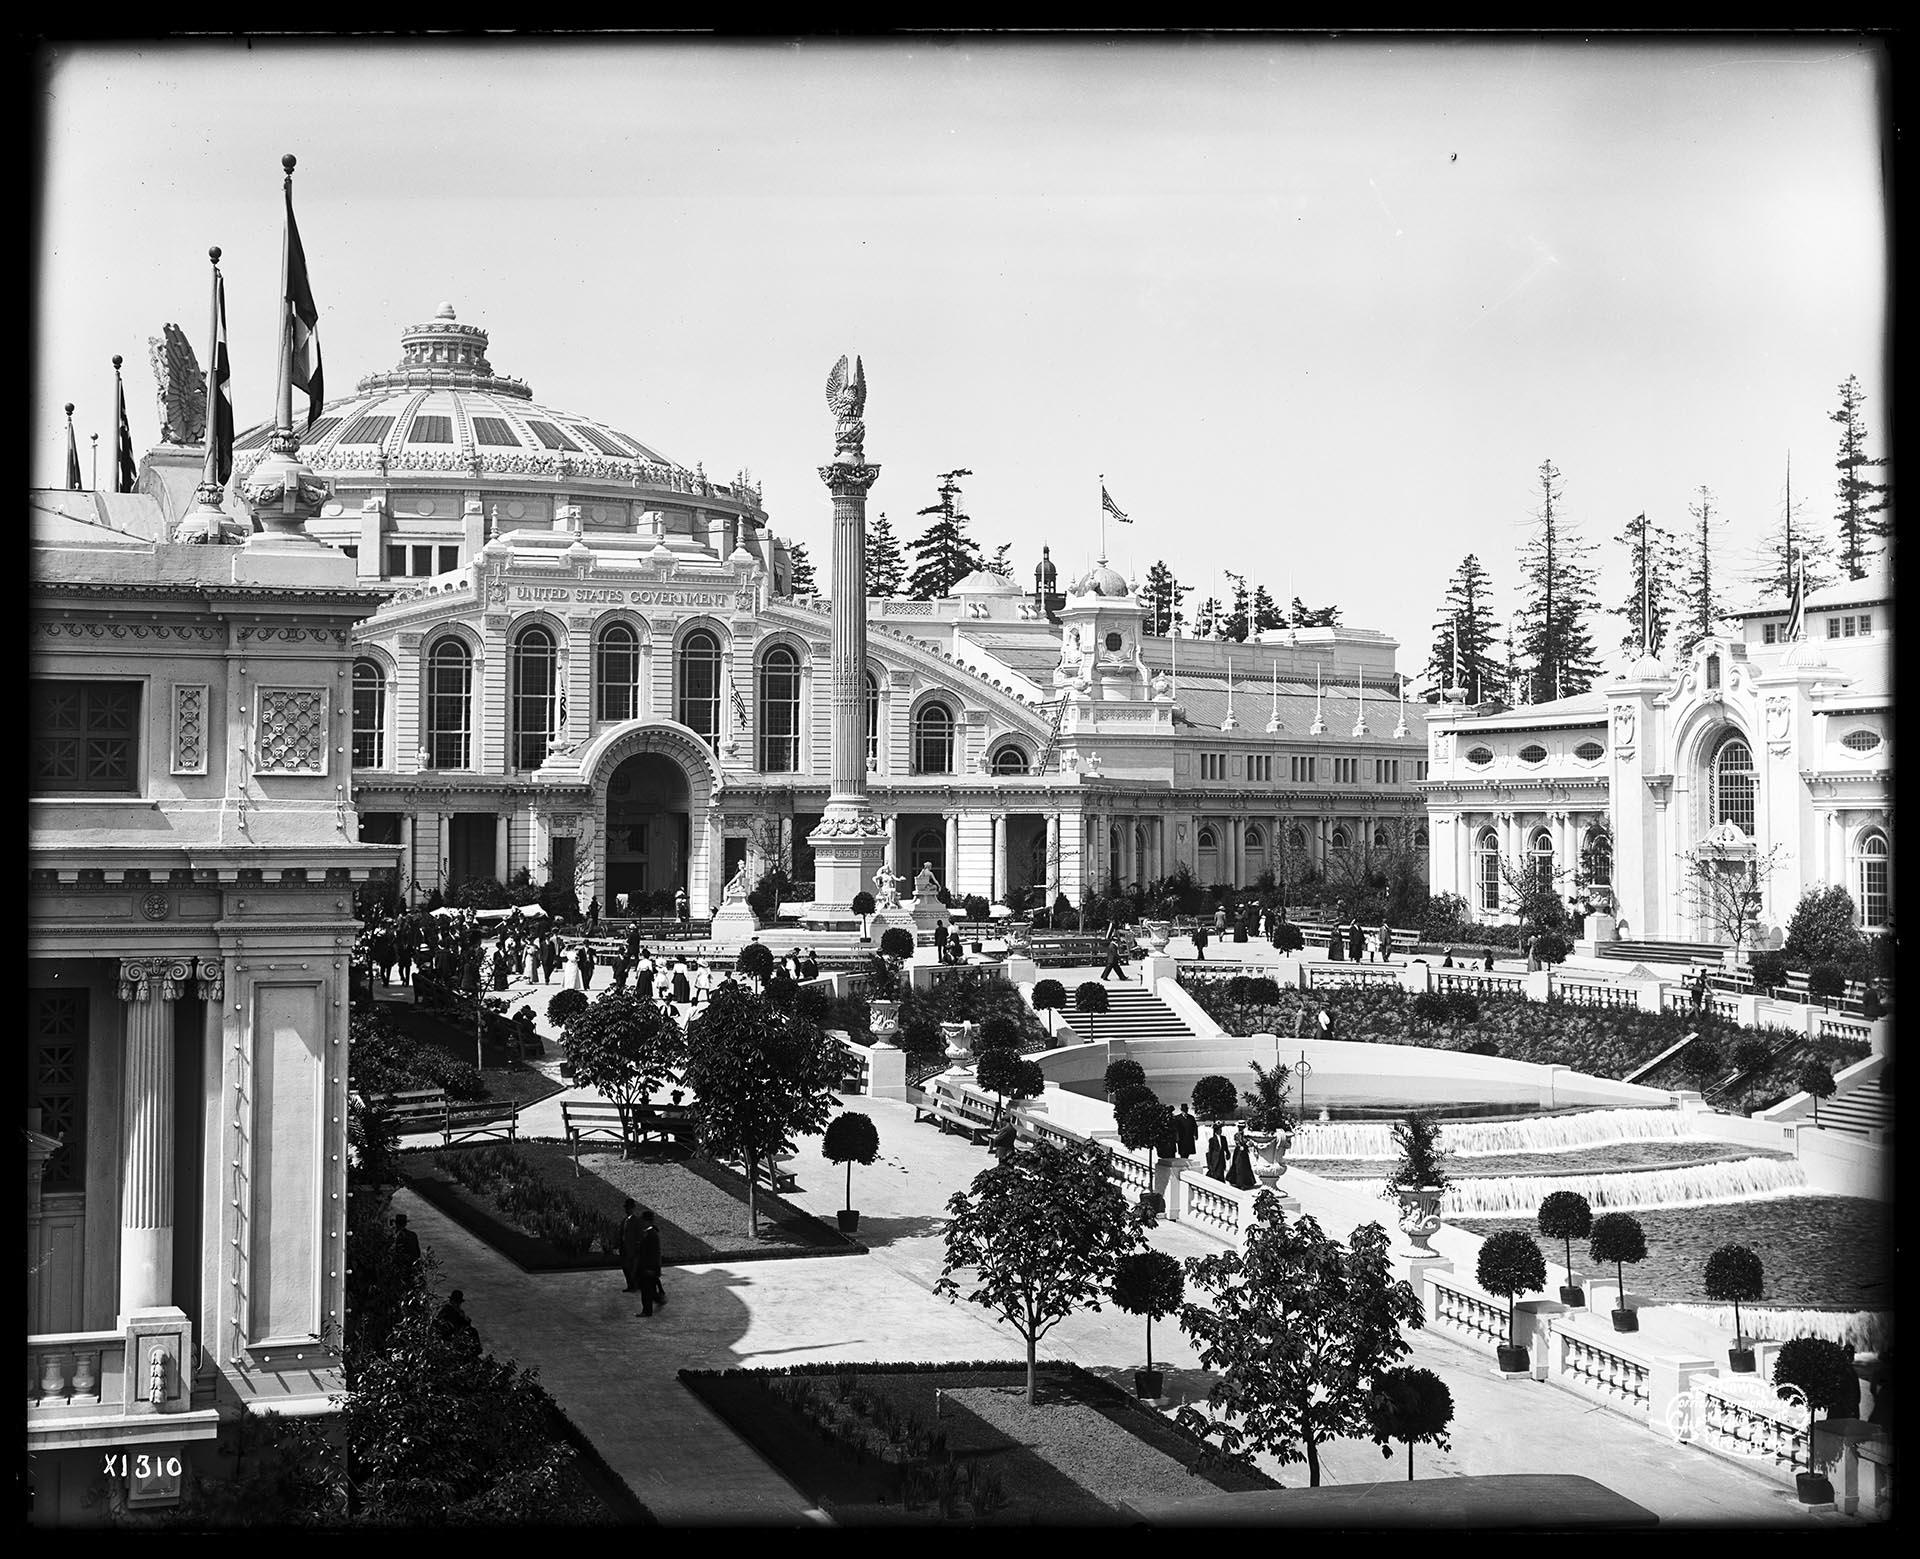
point(1580, 994)
point(1468, 1313)
point(66, 1371)
point(1751, 1426)
point(1204, 1202)
point(1604, 1372)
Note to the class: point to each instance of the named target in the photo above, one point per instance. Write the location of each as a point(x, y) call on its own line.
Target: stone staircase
point(1861, 1109)
point(1682, 953)
point(1133, 1013)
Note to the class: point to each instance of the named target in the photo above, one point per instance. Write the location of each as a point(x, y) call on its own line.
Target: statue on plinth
point(735, 891)
point(886, 888)
point(924, 887)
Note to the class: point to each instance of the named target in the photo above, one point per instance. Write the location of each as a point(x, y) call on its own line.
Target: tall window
point(873, 722)
point(57, 1080)
point(449, 705)
point(779, 711)
point(616, 673)
point(1487, 856)
point(1341, 841)
point(1380, 839)
point(699, 702)
point(1540, 852)
point(369, 716)
point(85, 736)
point(1297, 839)
point(928, 848)
point(1875, 879)
point(1599, 853)
point(1009, 760)
point(933, 740)
point(535, 677)
point(1733, 785)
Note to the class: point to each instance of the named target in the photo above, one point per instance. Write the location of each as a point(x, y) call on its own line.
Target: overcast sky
point(1317, 310)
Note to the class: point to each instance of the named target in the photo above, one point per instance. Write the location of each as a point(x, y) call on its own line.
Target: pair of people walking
point(640, 1256)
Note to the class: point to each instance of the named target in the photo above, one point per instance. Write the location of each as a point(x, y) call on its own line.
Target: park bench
point(586, 1121)
point(772, 1175)
point(947, 1114)
point(412, 1110)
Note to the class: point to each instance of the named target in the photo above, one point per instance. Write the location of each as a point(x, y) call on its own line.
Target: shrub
point(896, 942)
point(755, 959)
point(974, 907)
point(1822, 929)
point(1733, 1274)
point(1826, 980)
point(999, 1032)
point(1769, 969)
point(1215, 1098)
point(1263, 990)
point(765, 896)
point(1237, 988)
point(1129, 1096)
point(1146, 1123)
point(1008, 1075)
point(1824, 1371)
point(1288, 938)
point(1550, 947)
point(1752, 1054)
point(1510, 1265)
point(1123, 1073)
point(1422, 1164)
point(863, 903)
point(1702, 1061)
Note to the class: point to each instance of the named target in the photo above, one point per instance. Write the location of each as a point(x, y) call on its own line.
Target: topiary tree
point(1701, 1062)
point(851, 1139)
point(1090, 997)
point(1008, 1075)
point(1049, 996)
point(1768, 968)
point(1566, 1216)
point(1411, 1405)
point(1122, 1073)
point(1733, 1274)
point(1289, 938)
point(1215, 1098)
point(1147, 1123)
point(1826, 980)
point(564, 1005)
point(1618, 1237)
point(1129, 1096)
point(1510, 1265)
point(1149, 1283)
point(1816, 1079)
point(863, 906)
point(756, 959)
point(1824, 1371)
point(999, 1032)
point(896, 942)
point(1551, 947)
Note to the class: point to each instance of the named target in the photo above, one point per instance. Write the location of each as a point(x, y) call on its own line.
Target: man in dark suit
point(1186, 1132)
point(630, 1245)
point(647, 1265)
point(406, 1245)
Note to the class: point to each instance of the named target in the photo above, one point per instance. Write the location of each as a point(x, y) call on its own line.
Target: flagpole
point(1103, 516)
point(283, 386)
point(210, 474)
point(73, 452)
point(1646, 591)
point(95, 437)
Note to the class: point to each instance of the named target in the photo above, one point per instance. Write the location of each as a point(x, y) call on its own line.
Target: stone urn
point(1419, 1215)
point(1158, 933)
point(1268, 1152)
point(959, 1038)
point(1019, 940)
point(883, 1018)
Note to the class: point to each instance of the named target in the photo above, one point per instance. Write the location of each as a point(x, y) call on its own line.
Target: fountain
point(1519, 1196)
point(1471, 1139)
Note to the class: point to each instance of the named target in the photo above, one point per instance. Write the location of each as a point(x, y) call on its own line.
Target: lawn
point(1067, 1461)
point(1815, 1250)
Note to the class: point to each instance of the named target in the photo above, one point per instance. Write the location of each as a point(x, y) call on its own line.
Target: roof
point(1202, 699)
point(57, 514)
point(1876, 589)
point(1587, 708)
point(1032, 655)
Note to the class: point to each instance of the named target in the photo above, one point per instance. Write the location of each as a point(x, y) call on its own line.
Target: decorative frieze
point(141, 977)
point(292, 731)
point(190, 728)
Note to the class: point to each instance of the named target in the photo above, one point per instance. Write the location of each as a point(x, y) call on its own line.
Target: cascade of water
point(1519, 1196)
point(1470, 1139)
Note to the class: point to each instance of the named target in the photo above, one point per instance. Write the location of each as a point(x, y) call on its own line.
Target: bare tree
point(1725, 886)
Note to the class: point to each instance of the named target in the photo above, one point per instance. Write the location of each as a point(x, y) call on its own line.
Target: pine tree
point(1699, 600)
point(803, 582)
point(1654, 592)
point(1865, 513)
point(1000, 563)
point(945, 554)
point(1210, 621)
point(1792, 539)
point(885, 570)
point(1519, 684)
point(1469, 606)
point(1266, 613)
point(1164, 595)
point(1301, 616)
point(1560, 598)
point(1238, 618)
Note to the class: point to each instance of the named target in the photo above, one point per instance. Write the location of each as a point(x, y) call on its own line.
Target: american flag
point(1107, 503)
point(303, 321)
point(1797, 600)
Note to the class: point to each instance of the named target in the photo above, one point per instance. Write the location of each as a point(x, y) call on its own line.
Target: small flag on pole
point(73, 454)
point(1107, 503)
point(220, 391)
point(303, 322)
point(1797, 600)
point(124, 471)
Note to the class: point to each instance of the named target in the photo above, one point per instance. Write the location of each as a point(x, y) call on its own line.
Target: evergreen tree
point(1164, 595)
point(1653, 569)
point(1518, 686)
point(1238, 618)
point(1792, 539)
point(1699, 603)
point(1266, 613)
point(1469, 607)
point(885, 570)
point(1864, 513)
point(803, 582)
point(1000, 563)
point(1210, 621)
point(1560, 598)
point(1301, 616)
point(945, 554)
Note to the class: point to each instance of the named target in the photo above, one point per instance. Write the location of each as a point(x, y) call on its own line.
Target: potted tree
point(1822, 1372)
point(1008, 1076)
point(1090, 997)
point(1122, 1072)
point(1215, 1099)
point(1511, 1265)
point(1617, 1237)
point(1733, 1274)
point(1269, 1122)
point(1816, 1079)
point(1411, 1405)
point(851, 1139)
point(1148, 1283)
point(885, 979)
point(1418, 1179)
point(1566, 1215)
point(863, 906)
point(1049, 996)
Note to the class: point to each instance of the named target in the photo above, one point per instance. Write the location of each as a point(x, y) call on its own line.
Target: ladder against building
point(1052, 749)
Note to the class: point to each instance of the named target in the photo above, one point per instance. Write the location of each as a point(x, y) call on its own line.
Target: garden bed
point(699, 1207)
point(1815, 1250)
point(1069, 1461)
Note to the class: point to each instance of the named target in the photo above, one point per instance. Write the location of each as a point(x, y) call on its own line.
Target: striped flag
point(1107, 503)
point(220, 398)
point(303, 321)
point(1797, 600)
point(739, 706)
point(73, 453)
point(124, 471)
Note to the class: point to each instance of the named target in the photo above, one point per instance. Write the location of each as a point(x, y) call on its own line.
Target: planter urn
point(1573, 1296)
point(1740, 1360)
point(1268, 1151)
point(849, 1219)
point(1625, 1321)
point(959, 1038)
point(1419, 1216)
point(1158, 933)
point(1814, 1488)
point(1147, 1384)
point(883, 1018)
point(1513, 1360)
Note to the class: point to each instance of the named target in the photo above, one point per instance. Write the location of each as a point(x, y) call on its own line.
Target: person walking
point(406, 1245)
point(810, 966)
point(1488, 964)
point(940, 941)
point(1200, 941)
point(680, 908)
point(593, 915)
point(633, 941)
point(1336, 948)
point(630, 1245)
point(682, 986)
point(1240, 1170)
point(1356, 939)
point(1116, 962)
point(647, 1264)
point(1386, 943)
point(1217, 1155)
point(1186, 1132)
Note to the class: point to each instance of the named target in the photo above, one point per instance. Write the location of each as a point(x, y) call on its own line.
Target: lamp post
point(1305, 1070)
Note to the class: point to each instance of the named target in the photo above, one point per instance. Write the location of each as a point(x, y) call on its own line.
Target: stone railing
point(1602, 1370)
point(1579, 993)
point(1133, 1173)
point(1330, 976)
point(1724, 1006)
point(1834, 1025)
point(1465, 1312)
point(1747, 1420)
point(1215, 1207)
point(66, 1369)
point(1481, 984)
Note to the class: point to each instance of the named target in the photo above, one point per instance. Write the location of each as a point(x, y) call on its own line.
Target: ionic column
point(502, 846)
point(999, 871)
point(148, 987)
point(1053, 862)
point(893, 842)
point(407, 872)
point(953, 851)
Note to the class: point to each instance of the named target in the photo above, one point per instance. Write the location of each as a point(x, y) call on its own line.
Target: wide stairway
point(1662, 952)
point(1132, 1013)
point(1866, 1107)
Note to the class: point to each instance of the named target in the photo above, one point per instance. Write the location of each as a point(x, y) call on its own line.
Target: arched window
point(1875, 879)
point(1380, 839)
point(1487, 855)
point(1420, 836)
point(1599, 854)
point(1540, 853)
point(616, 673)
point(1009, 760)
point(873, 724)
point(449, 705)
point(928, 849)
point(535, 674)
point(1207, 841)
point(1297, 839)
point(779, 711)
point(698, 705)
point(1256, 840)
point(369, 716)
point(1733, 785)
point(933, 740)
point(1340, 840)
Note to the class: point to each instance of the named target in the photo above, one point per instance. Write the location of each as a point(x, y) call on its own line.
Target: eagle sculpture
point(183, 387)
point(847, 399)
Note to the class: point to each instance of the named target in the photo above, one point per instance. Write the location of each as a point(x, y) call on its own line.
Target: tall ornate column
point(1053, 862)
point(953, 851)
point(502, 846)
point(406, 857)
point(148, 987)
point(848, 843)
point(997, 872)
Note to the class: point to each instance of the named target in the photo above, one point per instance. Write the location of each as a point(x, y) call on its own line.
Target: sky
point(1316, 310)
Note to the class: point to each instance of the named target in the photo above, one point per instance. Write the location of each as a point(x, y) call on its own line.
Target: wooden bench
point(948, 1116)
point(412, 1110)
point(588, 1120)
point(771, 1176)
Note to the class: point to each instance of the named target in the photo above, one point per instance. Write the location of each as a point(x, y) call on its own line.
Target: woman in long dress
point(574, 982)
point(1216, 1155)
point(1240, 1172)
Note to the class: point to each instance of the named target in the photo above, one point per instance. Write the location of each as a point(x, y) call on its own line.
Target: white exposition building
point(589, 664)
point(1754, 752)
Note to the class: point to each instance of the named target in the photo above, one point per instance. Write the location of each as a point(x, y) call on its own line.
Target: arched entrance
point(649, 828)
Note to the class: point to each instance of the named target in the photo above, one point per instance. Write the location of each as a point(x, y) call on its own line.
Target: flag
point(220, 409)
point(1107, 503)
point(124, 471)
point(1456, 650)
point(1797, 600)
point(73, 454)
point(303, 321)
point(739, 706)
